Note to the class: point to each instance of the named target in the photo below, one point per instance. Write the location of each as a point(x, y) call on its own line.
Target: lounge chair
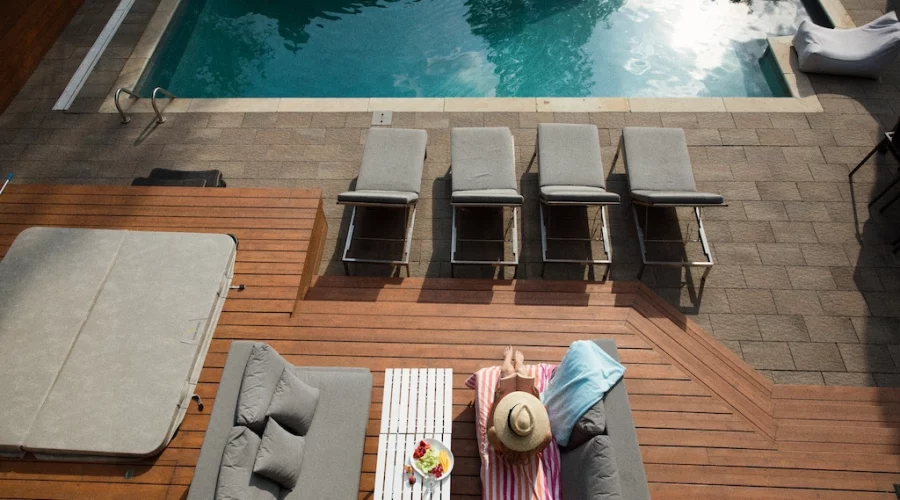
point(390, 177)
point(571, 174)
point(483, 174)
point(660, 175)
point(866, 51)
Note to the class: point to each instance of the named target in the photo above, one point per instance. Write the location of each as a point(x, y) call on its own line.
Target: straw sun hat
point(521, 421)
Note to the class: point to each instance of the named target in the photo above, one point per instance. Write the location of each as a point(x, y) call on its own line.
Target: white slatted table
point(417, 404)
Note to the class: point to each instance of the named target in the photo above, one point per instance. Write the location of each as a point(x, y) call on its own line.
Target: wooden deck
point(709, 425)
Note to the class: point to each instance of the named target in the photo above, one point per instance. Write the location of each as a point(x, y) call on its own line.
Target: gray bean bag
point(866, 51)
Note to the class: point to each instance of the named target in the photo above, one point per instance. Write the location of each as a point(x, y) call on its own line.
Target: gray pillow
point(280, 455)
point(236, 478)
point(293, 403)
point(589, 472)
point(592, 423)
point(261, 375)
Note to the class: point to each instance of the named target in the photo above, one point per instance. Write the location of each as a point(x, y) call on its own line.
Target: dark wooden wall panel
point(28, 28)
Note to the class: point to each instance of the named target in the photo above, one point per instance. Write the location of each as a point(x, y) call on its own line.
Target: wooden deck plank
point(709, 426)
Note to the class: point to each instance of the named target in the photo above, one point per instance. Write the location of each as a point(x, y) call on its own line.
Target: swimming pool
point(472, 48)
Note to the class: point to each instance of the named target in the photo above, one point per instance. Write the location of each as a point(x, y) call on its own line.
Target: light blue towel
point(584, 375)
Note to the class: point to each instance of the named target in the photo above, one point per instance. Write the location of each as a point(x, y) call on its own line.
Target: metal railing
point(159, 116)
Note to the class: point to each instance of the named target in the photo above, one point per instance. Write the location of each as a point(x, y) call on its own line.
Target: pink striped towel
point(500, 480)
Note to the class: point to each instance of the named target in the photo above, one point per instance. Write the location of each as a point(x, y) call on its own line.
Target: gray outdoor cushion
point(236, 479)
point(280, 455)
point(589, 472)
point(261, 376)
point(592, 423)
point(293, 403)
point(577, 194)
point(659, 165)
point(504, 197)
point(690, 198)
point(483, 159)
point(128, 377)
point(333, 447)
point(866, 51)
point(392, 162)
point(377, 197)
point(571, 168)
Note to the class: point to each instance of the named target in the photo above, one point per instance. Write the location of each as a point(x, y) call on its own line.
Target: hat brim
point(507, 436)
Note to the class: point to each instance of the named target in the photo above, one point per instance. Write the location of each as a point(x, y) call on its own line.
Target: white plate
point(437, 445)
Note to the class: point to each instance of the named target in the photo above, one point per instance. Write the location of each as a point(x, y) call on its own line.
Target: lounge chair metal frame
point(643, 240)
point(886, 145)
point(642, 232)
point(410, 218)
point(604, 234)
point(454, 238)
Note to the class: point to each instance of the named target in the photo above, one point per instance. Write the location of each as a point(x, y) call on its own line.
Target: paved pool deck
point(804, 287)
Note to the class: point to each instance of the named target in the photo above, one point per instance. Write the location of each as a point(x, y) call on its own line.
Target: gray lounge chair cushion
point(261, 376)
point(483, 159)
point(571, 168)
point(592, 423)
point(589, 472)
point(694, 198)
point(577, 194)
point(391, 170)
point(866, 51)
point(659, 167)
point(236, 478)
point(293, 403)
point(280, 455)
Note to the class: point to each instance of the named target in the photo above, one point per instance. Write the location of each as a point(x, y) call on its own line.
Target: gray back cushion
point(392, 160)
point(280, 455)
point(592, 423)
point(589, 472)
point(293, 403)
point(261, 376)
point(482, 158)
point(236, 478)
point(570, 155)
point(656, 159)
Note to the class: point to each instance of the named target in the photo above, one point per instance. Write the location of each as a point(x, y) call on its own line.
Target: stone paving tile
point(866, 358)
point(751, 301)
point(816, 356)
point(797, 377)
point(830, 329)
point(797, 302)
point(767, 355)
point(770, 277)
point(843, 303)
point(851, 379)
point(811, 278)
point(780, 254)
point(782, 328)
point(734, 327)
point(871, 330)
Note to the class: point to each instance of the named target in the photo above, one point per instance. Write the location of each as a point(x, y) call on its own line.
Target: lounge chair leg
point(452, 270)
point(705, 274)
point(641, 272)
point(881, 148)
point(543, 267)
point(346, 269)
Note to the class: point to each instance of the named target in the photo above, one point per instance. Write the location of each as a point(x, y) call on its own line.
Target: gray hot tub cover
point(866, 51)
point(102, 337)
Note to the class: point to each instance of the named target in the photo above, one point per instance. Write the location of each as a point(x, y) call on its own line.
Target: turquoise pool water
point(472, 48)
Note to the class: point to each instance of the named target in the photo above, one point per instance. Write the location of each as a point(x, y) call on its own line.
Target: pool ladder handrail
point(159, 116)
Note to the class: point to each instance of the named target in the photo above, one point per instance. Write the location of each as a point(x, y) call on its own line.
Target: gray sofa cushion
point(691, 198)
point(236, 479)
point(261, 375)
point(376, 197)
point(280, 455)
point(577, 194)
point(592, 423)
point(482, 158)
point(569, 155)
point(293, 403)
point(589, 472)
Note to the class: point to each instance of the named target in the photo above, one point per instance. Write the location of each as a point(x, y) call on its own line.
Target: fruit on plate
point(437, 471)
point(444, 459)
point(421, 450)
